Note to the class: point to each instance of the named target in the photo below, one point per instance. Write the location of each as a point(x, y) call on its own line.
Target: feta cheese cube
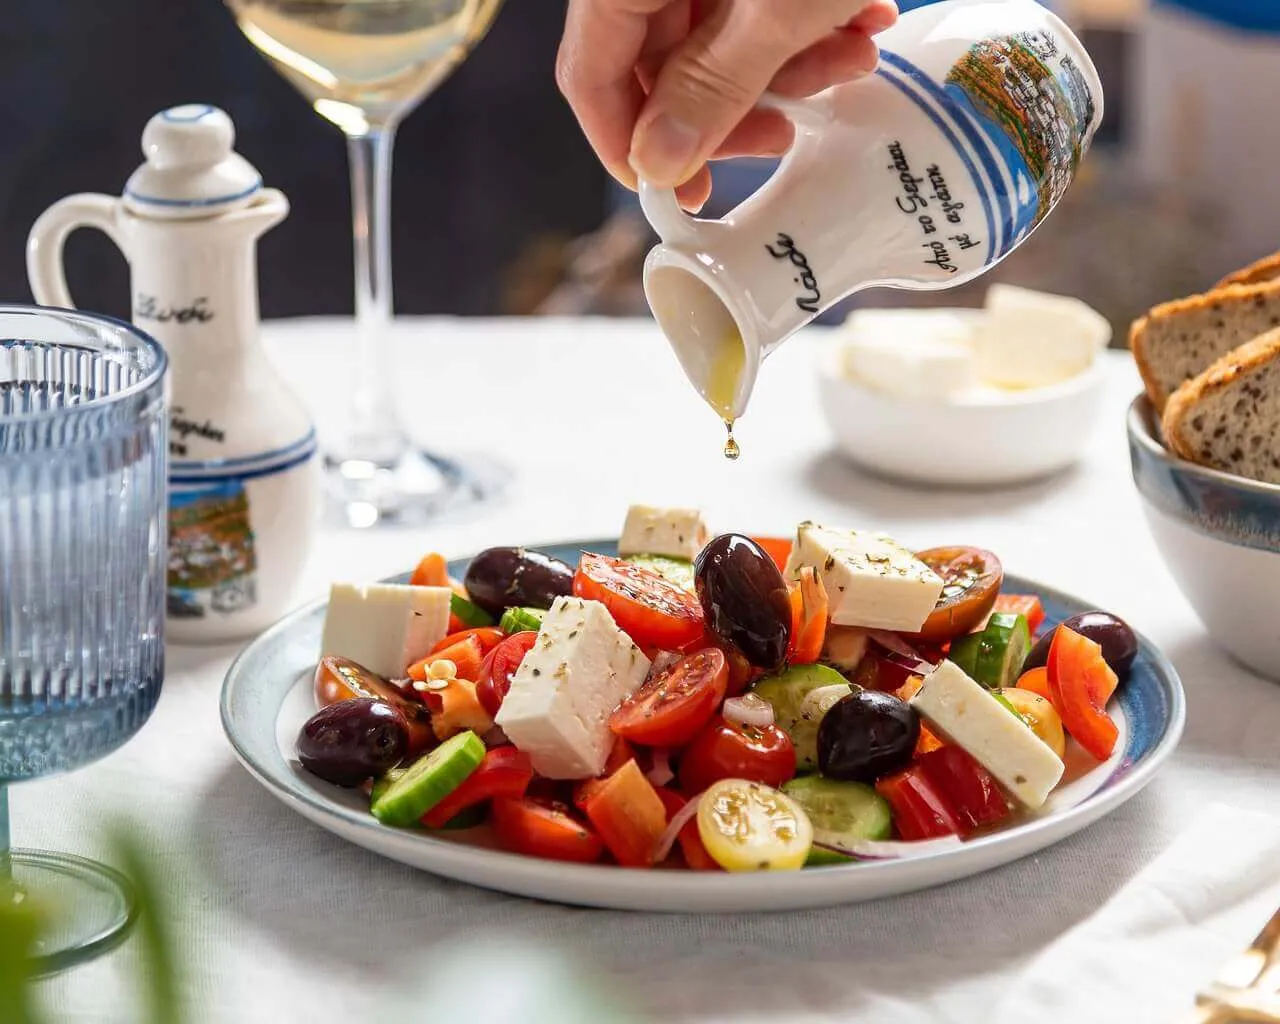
point(385, 627)
point(673, 532)
point(579, 670)
point(911, 353)
point(961, 711)
point(1030, 339)
point(872, 581)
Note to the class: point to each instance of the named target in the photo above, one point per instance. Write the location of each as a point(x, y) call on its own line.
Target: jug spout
point(713, 331)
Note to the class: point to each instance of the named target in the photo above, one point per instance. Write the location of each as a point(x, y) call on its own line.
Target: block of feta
point(385, 627)
point(580, 668)
point(871, 580)
point(911, 353)
point(1029, 339)
point(963, 712)
point(673, 532)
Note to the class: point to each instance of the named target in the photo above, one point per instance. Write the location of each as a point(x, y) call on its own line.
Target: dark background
point(489, 171)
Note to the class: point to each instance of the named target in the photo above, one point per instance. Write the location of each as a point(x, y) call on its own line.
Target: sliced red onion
point(495, 737)
point(902, 652)
point(660, 774)
point(662, 661)
point(679, 820)
point(749, 710)
point(869, 849)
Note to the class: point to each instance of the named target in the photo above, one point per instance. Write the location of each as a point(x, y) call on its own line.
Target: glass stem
point(374, 433)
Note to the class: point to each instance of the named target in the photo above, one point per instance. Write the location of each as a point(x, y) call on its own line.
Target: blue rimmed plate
point(267, 697)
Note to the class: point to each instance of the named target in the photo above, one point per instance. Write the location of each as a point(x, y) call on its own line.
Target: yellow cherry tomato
point(1040, 715)
point(747, 826)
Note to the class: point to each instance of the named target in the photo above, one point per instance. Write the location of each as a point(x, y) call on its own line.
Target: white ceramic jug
point(242, 473)
point(922, 176)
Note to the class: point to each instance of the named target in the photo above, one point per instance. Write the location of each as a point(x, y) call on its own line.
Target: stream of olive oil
point(722, 385)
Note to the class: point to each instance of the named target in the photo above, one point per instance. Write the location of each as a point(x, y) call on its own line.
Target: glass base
point(87, 909)
point(418, 487)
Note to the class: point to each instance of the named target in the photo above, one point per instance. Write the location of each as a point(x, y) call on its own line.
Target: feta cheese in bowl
point(967, 397)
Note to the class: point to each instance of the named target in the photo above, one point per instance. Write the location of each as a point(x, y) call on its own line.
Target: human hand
point(662, 86)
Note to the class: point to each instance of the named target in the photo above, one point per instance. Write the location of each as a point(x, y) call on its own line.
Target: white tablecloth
point(283, 922)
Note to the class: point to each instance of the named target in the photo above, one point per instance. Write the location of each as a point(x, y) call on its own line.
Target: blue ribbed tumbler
point(83, 458)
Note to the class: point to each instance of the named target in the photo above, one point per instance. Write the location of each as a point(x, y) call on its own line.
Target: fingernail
point(664, 151)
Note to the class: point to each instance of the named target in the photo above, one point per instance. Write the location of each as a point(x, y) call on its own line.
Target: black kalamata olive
point(744, 599)
point(1118, 642)
point(503, 578)
point(353, 740)
point(866, 736)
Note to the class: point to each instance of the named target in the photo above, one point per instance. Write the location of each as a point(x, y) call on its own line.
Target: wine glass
point(364, 64)
point(83, 463)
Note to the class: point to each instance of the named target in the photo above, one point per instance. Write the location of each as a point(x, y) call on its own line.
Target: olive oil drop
point(722, 385)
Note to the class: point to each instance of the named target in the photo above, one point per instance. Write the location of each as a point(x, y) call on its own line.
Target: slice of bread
point(1180, 340)
point(1228, 418)
point(1267, 269)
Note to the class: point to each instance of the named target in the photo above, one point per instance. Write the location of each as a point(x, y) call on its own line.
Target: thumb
point(705, 87)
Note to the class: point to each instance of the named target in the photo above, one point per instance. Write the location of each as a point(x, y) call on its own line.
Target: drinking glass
point(83, 458)
point(363, 65)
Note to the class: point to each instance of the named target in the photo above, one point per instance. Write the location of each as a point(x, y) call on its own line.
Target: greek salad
point(710, 702)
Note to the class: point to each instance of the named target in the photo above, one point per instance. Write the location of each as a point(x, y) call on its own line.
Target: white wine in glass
point(364, 64)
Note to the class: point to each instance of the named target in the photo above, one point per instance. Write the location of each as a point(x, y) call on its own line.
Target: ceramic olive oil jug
point(243, 477)
point(922, 176)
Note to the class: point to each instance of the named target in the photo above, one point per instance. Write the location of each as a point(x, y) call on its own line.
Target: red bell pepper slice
point(504, 772)
point(919, 810)
point(1082, 682)
point(967, 787)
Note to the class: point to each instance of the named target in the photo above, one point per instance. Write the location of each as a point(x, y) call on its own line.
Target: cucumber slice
point(522, 620)
point(842, 813)
point(674, 570)
point(429, 780)
point(470, 615)
point(383, 783)
point(798, 706)
point(994, 656)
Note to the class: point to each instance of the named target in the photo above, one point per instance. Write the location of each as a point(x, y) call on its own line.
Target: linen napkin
point(1165, 935)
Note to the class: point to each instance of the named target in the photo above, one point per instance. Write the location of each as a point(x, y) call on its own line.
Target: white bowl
point(977, 439)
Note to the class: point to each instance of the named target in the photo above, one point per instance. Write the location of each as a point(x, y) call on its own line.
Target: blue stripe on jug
point(1003, 163)
point(995, 247)
point(202, 471)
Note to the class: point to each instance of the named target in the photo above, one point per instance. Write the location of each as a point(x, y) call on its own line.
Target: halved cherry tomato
point(466, 655)
point(968, 788)
point(1026, 605)
point(727, 750)
point(488, 636)
point(692, 847)
point(542, 828)
point(628, 814)
point(499, 666)
point(504, 772)
point(342, 679)
point(741, 672)
point(432, 571)
point(777, 548)
point(651, 610)
point(971, 579)
point(809, 605)
point(1037, 681)
point(919, 810)
point(671, 707)
point(1082, 682)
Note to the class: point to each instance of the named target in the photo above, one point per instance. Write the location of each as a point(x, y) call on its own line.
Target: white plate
point(267, 697)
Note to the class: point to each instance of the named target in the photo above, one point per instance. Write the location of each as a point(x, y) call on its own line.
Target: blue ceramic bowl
point(1219, 535)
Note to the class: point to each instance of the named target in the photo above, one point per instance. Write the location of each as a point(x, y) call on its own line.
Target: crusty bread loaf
point(1179, 340)
point(1266, 269)
point(1228, 417)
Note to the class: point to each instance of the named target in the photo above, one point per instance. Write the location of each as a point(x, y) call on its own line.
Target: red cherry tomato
point(971, 580)
point(726, 750)
point(504, 772)
point(538, 828)
point(671, 707)
point(499, 666)
point(1082, 682)
point(741, 672)
point(651, 610)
